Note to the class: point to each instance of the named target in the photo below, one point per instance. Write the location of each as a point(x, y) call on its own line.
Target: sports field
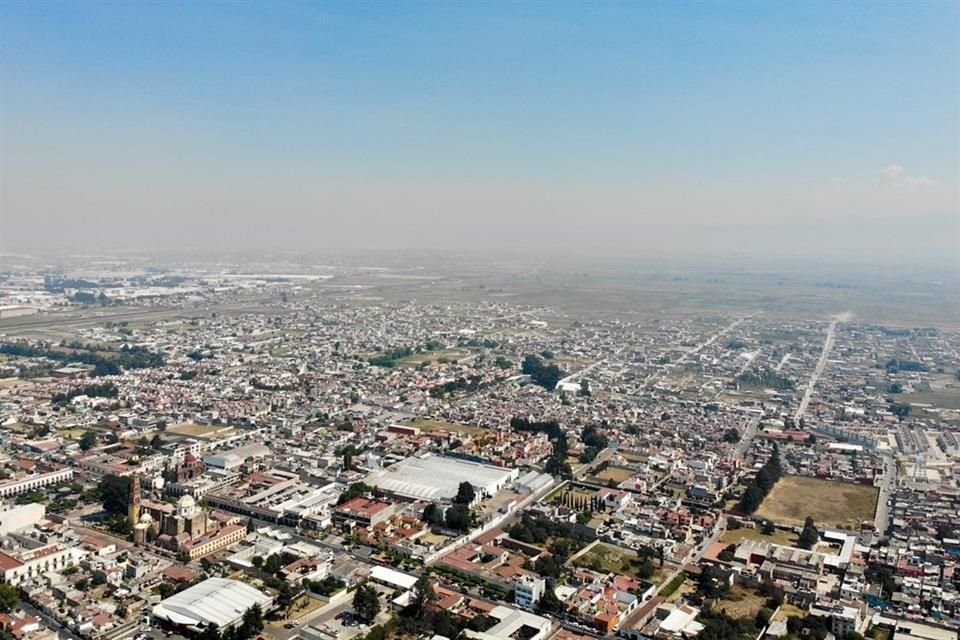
point(829, 502)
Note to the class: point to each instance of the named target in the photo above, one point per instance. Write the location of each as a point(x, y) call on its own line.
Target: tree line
point(766, 477)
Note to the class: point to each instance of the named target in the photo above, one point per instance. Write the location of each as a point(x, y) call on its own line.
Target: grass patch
point(829, 502)
point(734, 536)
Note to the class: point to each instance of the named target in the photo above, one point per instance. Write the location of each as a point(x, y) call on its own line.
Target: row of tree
point(766, 477)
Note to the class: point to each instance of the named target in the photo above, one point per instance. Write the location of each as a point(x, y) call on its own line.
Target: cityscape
point(490, 320)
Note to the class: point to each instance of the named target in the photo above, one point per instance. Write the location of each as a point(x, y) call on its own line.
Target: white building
point(15, 567)
point(528, 591)
point(39, 481)
point(21, 517)
point(437, 478)
point(216, 601)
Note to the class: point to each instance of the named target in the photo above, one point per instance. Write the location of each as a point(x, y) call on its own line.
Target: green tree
point(423, 593)
point(466, 494)
point(115, 493)
point(366, 603)
point(88, 440)
point(809, 536)
point(9, 597)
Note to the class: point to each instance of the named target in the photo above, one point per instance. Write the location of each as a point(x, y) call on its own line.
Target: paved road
point(818, 370)
point(887, 486)
point(748, 436)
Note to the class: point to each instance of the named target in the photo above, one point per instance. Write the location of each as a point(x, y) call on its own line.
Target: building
point(365, 512)
point(220, 539)
point(217, 601)
point(235, 458)
point(33, 563)
point(513, 623)
point(528, 591)
point(21, 517)
point(12, 488)
point(437, 478)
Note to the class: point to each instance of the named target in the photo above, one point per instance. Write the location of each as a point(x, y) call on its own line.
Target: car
point(289, 625)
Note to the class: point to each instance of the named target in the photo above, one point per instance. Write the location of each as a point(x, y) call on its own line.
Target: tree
point(115, 493)
point(251, 526)
point(366, 603)
point(252, 623)
point(257, 561)
point(88, 440)
point(210, 632)
point(731, 436)
point(767, 528)
point(9, 597)
point(459, 517)
point(465, 494)
point(433, 514)
point(728, 552)
point(809, 536)
point(156, 443)
point(422, 595)
point(549, 602)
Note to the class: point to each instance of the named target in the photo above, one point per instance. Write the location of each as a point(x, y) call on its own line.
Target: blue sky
point(658, 110)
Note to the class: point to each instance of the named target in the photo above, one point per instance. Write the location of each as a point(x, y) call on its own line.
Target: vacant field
point(943, 398)
point(734, 536)
point(605, 557)
point(830, 503)
point(617, 474)
point(72, 434)
point(428, 424)
point(198, 430)
point(741, 603)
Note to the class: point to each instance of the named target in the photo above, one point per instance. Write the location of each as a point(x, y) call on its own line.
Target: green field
point(829, 502)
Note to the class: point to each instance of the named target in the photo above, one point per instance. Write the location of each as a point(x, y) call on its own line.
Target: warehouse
point(215, 601)
point(437, 478)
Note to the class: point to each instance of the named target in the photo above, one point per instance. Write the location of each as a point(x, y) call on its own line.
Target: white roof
point(437, 477)
point(394, 578)
point(215, 600)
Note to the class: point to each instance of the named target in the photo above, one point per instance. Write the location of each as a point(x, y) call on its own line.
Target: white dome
point(186, 501)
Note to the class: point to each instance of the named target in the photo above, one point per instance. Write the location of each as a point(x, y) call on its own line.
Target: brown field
point(829, 502)
point(198, 430)
point(617, 474)
point(741, 603)
point(429, 424)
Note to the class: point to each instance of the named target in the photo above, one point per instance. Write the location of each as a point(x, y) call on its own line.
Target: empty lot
point(831, 503)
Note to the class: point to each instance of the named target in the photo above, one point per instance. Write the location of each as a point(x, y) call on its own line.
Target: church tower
point(134, 512)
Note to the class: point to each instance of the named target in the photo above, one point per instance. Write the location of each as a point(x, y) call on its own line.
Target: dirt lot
point(831, 503)
point(741, 603)
point(617, 474)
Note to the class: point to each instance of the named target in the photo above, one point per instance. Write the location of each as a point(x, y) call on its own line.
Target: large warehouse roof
point(438, 477)
point(215, 600)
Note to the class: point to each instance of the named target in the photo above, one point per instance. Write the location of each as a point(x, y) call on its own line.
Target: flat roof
point(437, 477)
point(215, 600)
point(392, 577)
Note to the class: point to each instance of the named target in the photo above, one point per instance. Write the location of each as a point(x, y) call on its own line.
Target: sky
point(654, 128)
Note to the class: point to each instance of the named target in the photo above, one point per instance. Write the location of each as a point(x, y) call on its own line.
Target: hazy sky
point(806, 129)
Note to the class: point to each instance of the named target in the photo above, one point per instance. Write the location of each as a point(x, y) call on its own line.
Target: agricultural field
point(829, 502)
